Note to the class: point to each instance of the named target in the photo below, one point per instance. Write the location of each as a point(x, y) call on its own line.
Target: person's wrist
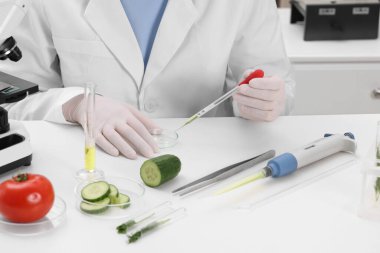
point(70, 107)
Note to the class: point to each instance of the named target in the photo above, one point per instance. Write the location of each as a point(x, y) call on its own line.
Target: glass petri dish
point(165, 138)
point(85, 175)
point(55, 217)
point(126, 186)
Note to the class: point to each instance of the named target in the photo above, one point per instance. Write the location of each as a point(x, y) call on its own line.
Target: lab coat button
point(151, 106)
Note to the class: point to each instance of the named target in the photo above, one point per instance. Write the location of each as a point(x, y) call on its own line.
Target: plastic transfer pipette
point(287, 163)
point(255, 74)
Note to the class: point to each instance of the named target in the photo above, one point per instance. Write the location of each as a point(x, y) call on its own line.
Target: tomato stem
point(21, 177)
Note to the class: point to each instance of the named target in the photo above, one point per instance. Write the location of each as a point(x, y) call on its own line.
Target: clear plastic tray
point(55, 217)
point(271, 188)
point(261, 192)
point(133, 189)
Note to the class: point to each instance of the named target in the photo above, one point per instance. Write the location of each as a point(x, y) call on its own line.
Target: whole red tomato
point(26, 198)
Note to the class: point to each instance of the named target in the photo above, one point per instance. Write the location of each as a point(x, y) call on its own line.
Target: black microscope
point(15, 148)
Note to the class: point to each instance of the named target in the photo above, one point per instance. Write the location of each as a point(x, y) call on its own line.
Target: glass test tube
point(89, 121)
point(370, 195)
point(148, 214)
point(167, 216)
point(377, 181)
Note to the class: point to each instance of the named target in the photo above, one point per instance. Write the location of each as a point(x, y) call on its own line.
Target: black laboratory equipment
point(15, 148)
point(337, 19)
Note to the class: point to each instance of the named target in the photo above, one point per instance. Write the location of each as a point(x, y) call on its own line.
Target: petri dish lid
point(55, 217)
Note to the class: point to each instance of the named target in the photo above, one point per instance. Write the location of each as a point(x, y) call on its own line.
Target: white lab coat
point(201, 49)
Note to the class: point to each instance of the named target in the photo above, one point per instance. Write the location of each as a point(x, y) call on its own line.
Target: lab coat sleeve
point(259, 44)
point(40, 65)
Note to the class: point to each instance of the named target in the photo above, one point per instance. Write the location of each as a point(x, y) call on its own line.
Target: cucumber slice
point(114, 193)
point(96, 191)
point(95, 207)
point(156, 171)
point(122, 200)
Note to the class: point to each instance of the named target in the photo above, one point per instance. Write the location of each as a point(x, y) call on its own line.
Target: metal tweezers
point(222, 174)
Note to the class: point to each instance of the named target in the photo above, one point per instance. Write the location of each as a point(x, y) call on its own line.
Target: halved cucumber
point(96, 191)
point(156, 171)
point(95, 207)
point(114, 193)
point(123, 200)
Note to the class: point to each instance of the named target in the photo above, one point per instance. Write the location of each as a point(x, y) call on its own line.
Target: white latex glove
point(263, 99)
point(119, 127)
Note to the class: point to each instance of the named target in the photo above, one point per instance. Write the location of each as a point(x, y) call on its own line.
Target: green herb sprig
point(377, 183)
point(151, 226)
point(123, 228)
point(377, 188)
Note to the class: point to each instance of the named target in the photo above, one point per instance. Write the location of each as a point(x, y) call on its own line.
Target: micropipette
point(255, 74)
point(287, 163)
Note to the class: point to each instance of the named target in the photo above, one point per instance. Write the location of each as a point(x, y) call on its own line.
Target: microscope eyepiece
point(9, 50)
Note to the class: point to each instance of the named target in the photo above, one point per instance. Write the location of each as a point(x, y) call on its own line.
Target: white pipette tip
point(191, 119)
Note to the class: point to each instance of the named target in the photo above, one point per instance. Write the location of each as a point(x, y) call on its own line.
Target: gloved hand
point(262, 99)
point(119, 127)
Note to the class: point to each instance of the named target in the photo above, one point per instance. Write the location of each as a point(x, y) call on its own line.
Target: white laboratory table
point(319, 217)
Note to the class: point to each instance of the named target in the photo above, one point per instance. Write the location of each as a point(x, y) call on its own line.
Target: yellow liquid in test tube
point(89, 172)
point(89, 158)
